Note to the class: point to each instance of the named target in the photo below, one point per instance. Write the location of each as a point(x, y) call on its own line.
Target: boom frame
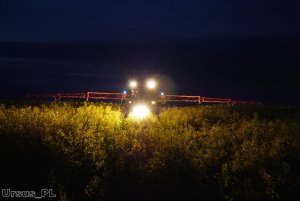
point(123, 97)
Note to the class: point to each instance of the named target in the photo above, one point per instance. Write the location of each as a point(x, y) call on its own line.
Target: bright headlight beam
point(140, 111)
point(151, 84)
point(132, 84)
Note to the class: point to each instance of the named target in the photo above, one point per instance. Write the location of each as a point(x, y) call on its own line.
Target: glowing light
point(129, 102)
point(151, 84)
point(124, 92)
point(140, 111)
point(133, 84)
point(162, 93)
point(153, 102)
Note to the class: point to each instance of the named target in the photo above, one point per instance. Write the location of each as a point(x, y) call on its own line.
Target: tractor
point(140, 99)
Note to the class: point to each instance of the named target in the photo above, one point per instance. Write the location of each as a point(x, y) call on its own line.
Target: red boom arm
point(87, 96)
point(201, 99)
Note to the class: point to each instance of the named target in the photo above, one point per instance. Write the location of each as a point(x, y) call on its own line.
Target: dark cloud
point(53, 20)
point(245, 69)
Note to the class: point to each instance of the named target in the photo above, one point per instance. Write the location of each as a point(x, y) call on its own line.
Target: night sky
point(247, 50)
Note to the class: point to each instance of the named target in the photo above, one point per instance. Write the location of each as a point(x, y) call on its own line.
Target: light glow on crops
point(140, 111)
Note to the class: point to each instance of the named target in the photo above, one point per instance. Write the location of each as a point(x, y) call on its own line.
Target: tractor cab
point(142, 96)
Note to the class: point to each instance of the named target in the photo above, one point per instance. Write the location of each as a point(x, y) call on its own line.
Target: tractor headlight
point(140, 111)
point(151, 84)
point(133, 84)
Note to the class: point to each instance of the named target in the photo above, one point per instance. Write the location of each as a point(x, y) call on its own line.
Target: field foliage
point(91, 151)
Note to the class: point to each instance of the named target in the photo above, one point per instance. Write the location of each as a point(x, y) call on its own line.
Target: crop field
point(91, 151)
